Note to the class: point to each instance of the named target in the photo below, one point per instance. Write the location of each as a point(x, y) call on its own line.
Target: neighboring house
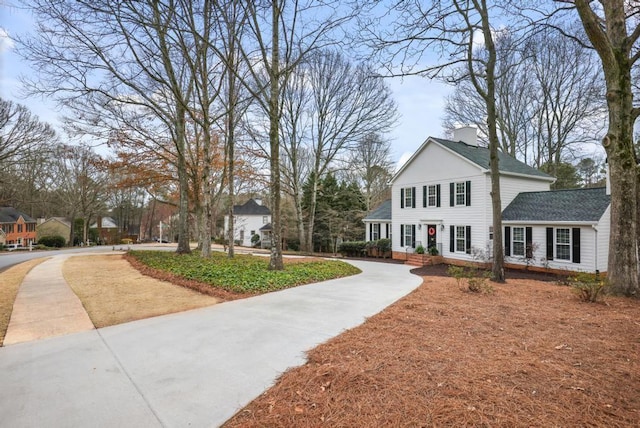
point(3, 237)
point(107, 230)
point(18, 227)
point(54, 226)
point(249, 219)
point(378, 222)
point(441, 198)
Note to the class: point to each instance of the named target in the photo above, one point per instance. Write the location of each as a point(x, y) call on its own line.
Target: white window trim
point(407, 232)
point(568, 244)
point(433, 195)
point(464, 239)
point(375, 232)
point(463, 193)
point(514, 241)
point(408, 197)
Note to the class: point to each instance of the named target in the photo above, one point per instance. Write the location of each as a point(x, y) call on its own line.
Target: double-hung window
point(461, 194)
point(432, 196)
point(518, 243)
point(375, 231)
point(461, 239)
point(563, 244)
point(408, 197)
point(408, 235)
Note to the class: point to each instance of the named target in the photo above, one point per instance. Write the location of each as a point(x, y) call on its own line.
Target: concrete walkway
point(195, 368)
point(45, 306)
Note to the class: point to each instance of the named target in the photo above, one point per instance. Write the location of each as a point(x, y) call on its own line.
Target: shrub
point(54, 241)
point(126, 241)
point(383, 245)
point(476, 279)
point(352, 248)
point(433, 251)
point(255, 240)
point(588, 287)
point(419, 249)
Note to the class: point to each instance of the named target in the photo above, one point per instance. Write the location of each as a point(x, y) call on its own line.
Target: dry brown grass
point(113, 292)
point(10, 281)
point(530, 354)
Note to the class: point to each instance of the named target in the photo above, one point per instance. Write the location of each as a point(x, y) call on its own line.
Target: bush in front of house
point(588, 287)
point(352, 248)
point(255, 240)
point(54, 241)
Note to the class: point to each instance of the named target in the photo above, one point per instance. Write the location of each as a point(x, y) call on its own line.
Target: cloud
point(6, 42)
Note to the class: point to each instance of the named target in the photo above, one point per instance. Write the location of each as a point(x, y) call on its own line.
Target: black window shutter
point(401, 198)
point(549, 243)
point(413, 197)
point(507, 241)
point(575, 244)
point(468, 194)
point(387, 231)
point(452, 194)
point(402, 235)
point(413, 235)
point(437, 195)
point(452, 239)
point(528, 242)
point(424, 196)
point(468, 236)
point(370, 231)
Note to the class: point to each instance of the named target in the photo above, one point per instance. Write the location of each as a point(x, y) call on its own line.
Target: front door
point(431, 236)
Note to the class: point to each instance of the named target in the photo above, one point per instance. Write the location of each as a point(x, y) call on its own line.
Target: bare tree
point(451, 28)
point(548, 98)
point(104, 60)
point(80, 184)
point(282, 33)
point(372, 167)
point(21, 133)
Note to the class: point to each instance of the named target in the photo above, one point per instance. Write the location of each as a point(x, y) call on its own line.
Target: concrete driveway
point(195, 368)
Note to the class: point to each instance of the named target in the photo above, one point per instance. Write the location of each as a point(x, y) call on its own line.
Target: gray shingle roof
point(383, 212)
point(11, 215)
point(251, 207)
point(558, 205)
point(480, 156)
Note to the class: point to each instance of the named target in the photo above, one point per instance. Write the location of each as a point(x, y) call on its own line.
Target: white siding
point(604, 232)
point(539, 240)
point(436, 165)
point(246, 224)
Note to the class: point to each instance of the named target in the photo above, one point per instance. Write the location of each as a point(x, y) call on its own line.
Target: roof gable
point(251, 207)
point(572, 205)
point(479, 157)
point(383, 212)
point(11, 215)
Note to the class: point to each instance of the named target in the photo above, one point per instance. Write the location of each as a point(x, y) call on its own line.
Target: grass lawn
point(244, 274)
point(529, 354)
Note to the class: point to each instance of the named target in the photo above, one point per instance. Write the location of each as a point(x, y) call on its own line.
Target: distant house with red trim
point(17, 226)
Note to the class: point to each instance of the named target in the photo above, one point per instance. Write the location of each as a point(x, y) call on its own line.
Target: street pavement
point(195, 368)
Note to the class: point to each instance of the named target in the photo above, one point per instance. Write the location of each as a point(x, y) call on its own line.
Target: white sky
point(420, 101)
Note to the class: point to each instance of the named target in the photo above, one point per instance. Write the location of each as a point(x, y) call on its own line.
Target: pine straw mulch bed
point(530, 354)
point(201, 287)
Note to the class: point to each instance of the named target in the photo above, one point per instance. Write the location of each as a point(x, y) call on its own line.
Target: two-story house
point(250, 218)
point(441, 197)
point(17, 226)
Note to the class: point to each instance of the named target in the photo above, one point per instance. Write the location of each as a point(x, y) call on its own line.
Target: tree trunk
point(183, 210)
point(275, 262)
point(614, 48)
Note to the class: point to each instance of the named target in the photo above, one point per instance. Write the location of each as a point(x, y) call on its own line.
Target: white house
point(378, 222)
point(250, 218)
point(441, 198)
